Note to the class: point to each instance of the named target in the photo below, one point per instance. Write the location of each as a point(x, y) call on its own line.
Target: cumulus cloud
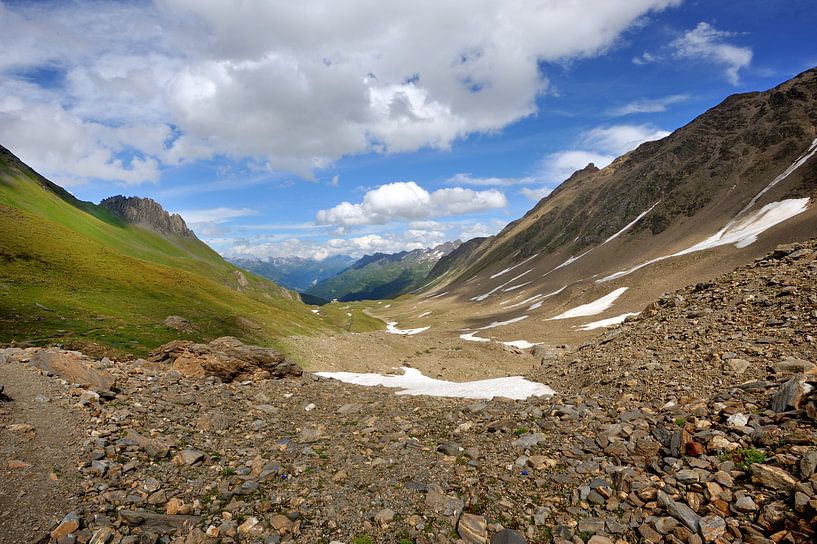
point(600, 146)
point(295, 86)
point(705, 42)
point(648, 105)
point(407, 201)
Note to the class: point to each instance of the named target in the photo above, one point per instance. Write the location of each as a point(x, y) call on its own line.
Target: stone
point(745, 504)
point(737, 420)
point(70, 367)
point(528, 440)
point(68, 525)
point(712, 528)
point(791, 394)
point(679, 511)
point(179, 323)
point(598, 539)
point(384, 516)
point(281, 523)
point(174, 506)
point(737, 366)
point(226, 358)
point(215, 421)
point(251, 526)
point(794, 366)
point(808, 464)
point(772, 477)
point(154, 448)
point(439, 502)
point(160, 522)
point(188, 457)
point(102, 536)
point(508, 536)
point(473, 529)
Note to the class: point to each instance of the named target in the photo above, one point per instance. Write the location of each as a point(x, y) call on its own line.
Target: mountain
point(108, 276)
point(713, 195)
point(382, 275)
point(296, 272)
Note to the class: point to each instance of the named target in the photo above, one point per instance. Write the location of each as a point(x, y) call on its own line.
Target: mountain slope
point(716, 193)
point(382, 275)
point(77, 273)
point(295, 272)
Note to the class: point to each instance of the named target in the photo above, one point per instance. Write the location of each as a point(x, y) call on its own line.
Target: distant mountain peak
point(147, 213)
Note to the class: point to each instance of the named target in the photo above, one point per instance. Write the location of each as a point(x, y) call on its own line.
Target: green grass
point(362, 539)
point(745, 457)
point(72, 273)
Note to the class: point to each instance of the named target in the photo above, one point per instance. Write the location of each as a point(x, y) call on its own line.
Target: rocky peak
point(146, 213)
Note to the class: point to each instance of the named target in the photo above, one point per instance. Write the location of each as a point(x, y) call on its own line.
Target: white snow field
point(423, 314)
point(391, 328)
point(413, 382)
point(741, 231)
point(606, 322)
point(592, 308)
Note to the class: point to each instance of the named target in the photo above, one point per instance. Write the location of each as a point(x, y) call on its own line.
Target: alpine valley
point(632, 360)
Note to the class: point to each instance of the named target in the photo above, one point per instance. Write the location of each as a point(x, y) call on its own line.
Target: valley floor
point(696, 423)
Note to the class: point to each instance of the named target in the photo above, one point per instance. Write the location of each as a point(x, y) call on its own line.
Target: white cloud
point(294, 85)
point(407, 201)
point(468, 179)
point(209, 222)
point(335, 181)
point(600, 146)
point(647, 105)
point(535, 194)
point(705, 42)
point(619, 139)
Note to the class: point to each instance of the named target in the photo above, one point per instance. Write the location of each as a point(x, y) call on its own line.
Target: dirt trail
point(34, 498)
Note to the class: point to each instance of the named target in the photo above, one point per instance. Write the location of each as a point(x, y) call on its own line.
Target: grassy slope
point(107, 283)
point(378, 280)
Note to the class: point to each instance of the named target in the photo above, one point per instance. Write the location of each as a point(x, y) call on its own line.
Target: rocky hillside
point(382, 275)
point(696, 422)
point(146, 213)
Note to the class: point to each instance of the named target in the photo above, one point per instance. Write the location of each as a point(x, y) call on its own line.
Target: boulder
point(71, 367)
point(226, 358)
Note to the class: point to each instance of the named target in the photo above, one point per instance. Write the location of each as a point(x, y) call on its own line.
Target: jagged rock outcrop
point(146, 213)
point(226, 358)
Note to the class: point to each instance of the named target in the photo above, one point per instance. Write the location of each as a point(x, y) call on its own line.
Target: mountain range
point(296, 273)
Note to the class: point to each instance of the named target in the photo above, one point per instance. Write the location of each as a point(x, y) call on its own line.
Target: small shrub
point(745, 457)
point(362, 539)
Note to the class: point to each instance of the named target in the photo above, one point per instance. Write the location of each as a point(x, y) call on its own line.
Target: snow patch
point(501, 272)
point(630, 224)
point(741, 232)
point(515, 287)
point(413, 382)
point(496, 324)
point(471, 338)
point(606, 322)
point(423, 314)
point(521, 344)
point(592, 308)
point(440, 295)
point(314, 311)
point(482, 297)
point(391, 328)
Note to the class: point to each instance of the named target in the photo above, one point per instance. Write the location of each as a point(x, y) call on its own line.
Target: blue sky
point(319, 128)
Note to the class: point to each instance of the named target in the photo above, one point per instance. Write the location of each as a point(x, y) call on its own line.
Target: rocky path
point(40, 436)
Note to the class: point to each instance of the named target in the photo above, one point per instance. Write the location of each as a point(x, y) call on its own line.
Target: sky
point(319, 127)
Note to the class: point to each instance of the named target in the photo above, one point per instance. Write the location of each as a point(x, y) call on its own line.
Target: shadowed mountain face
point(713, 195)
point(382, 275)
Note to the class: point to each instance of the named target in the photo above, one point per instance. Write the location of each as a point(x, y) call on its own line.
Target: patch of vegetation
point(519, 431)
point(745, 457)
point(680, 421)
point(362, 539)
point(228, 471)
